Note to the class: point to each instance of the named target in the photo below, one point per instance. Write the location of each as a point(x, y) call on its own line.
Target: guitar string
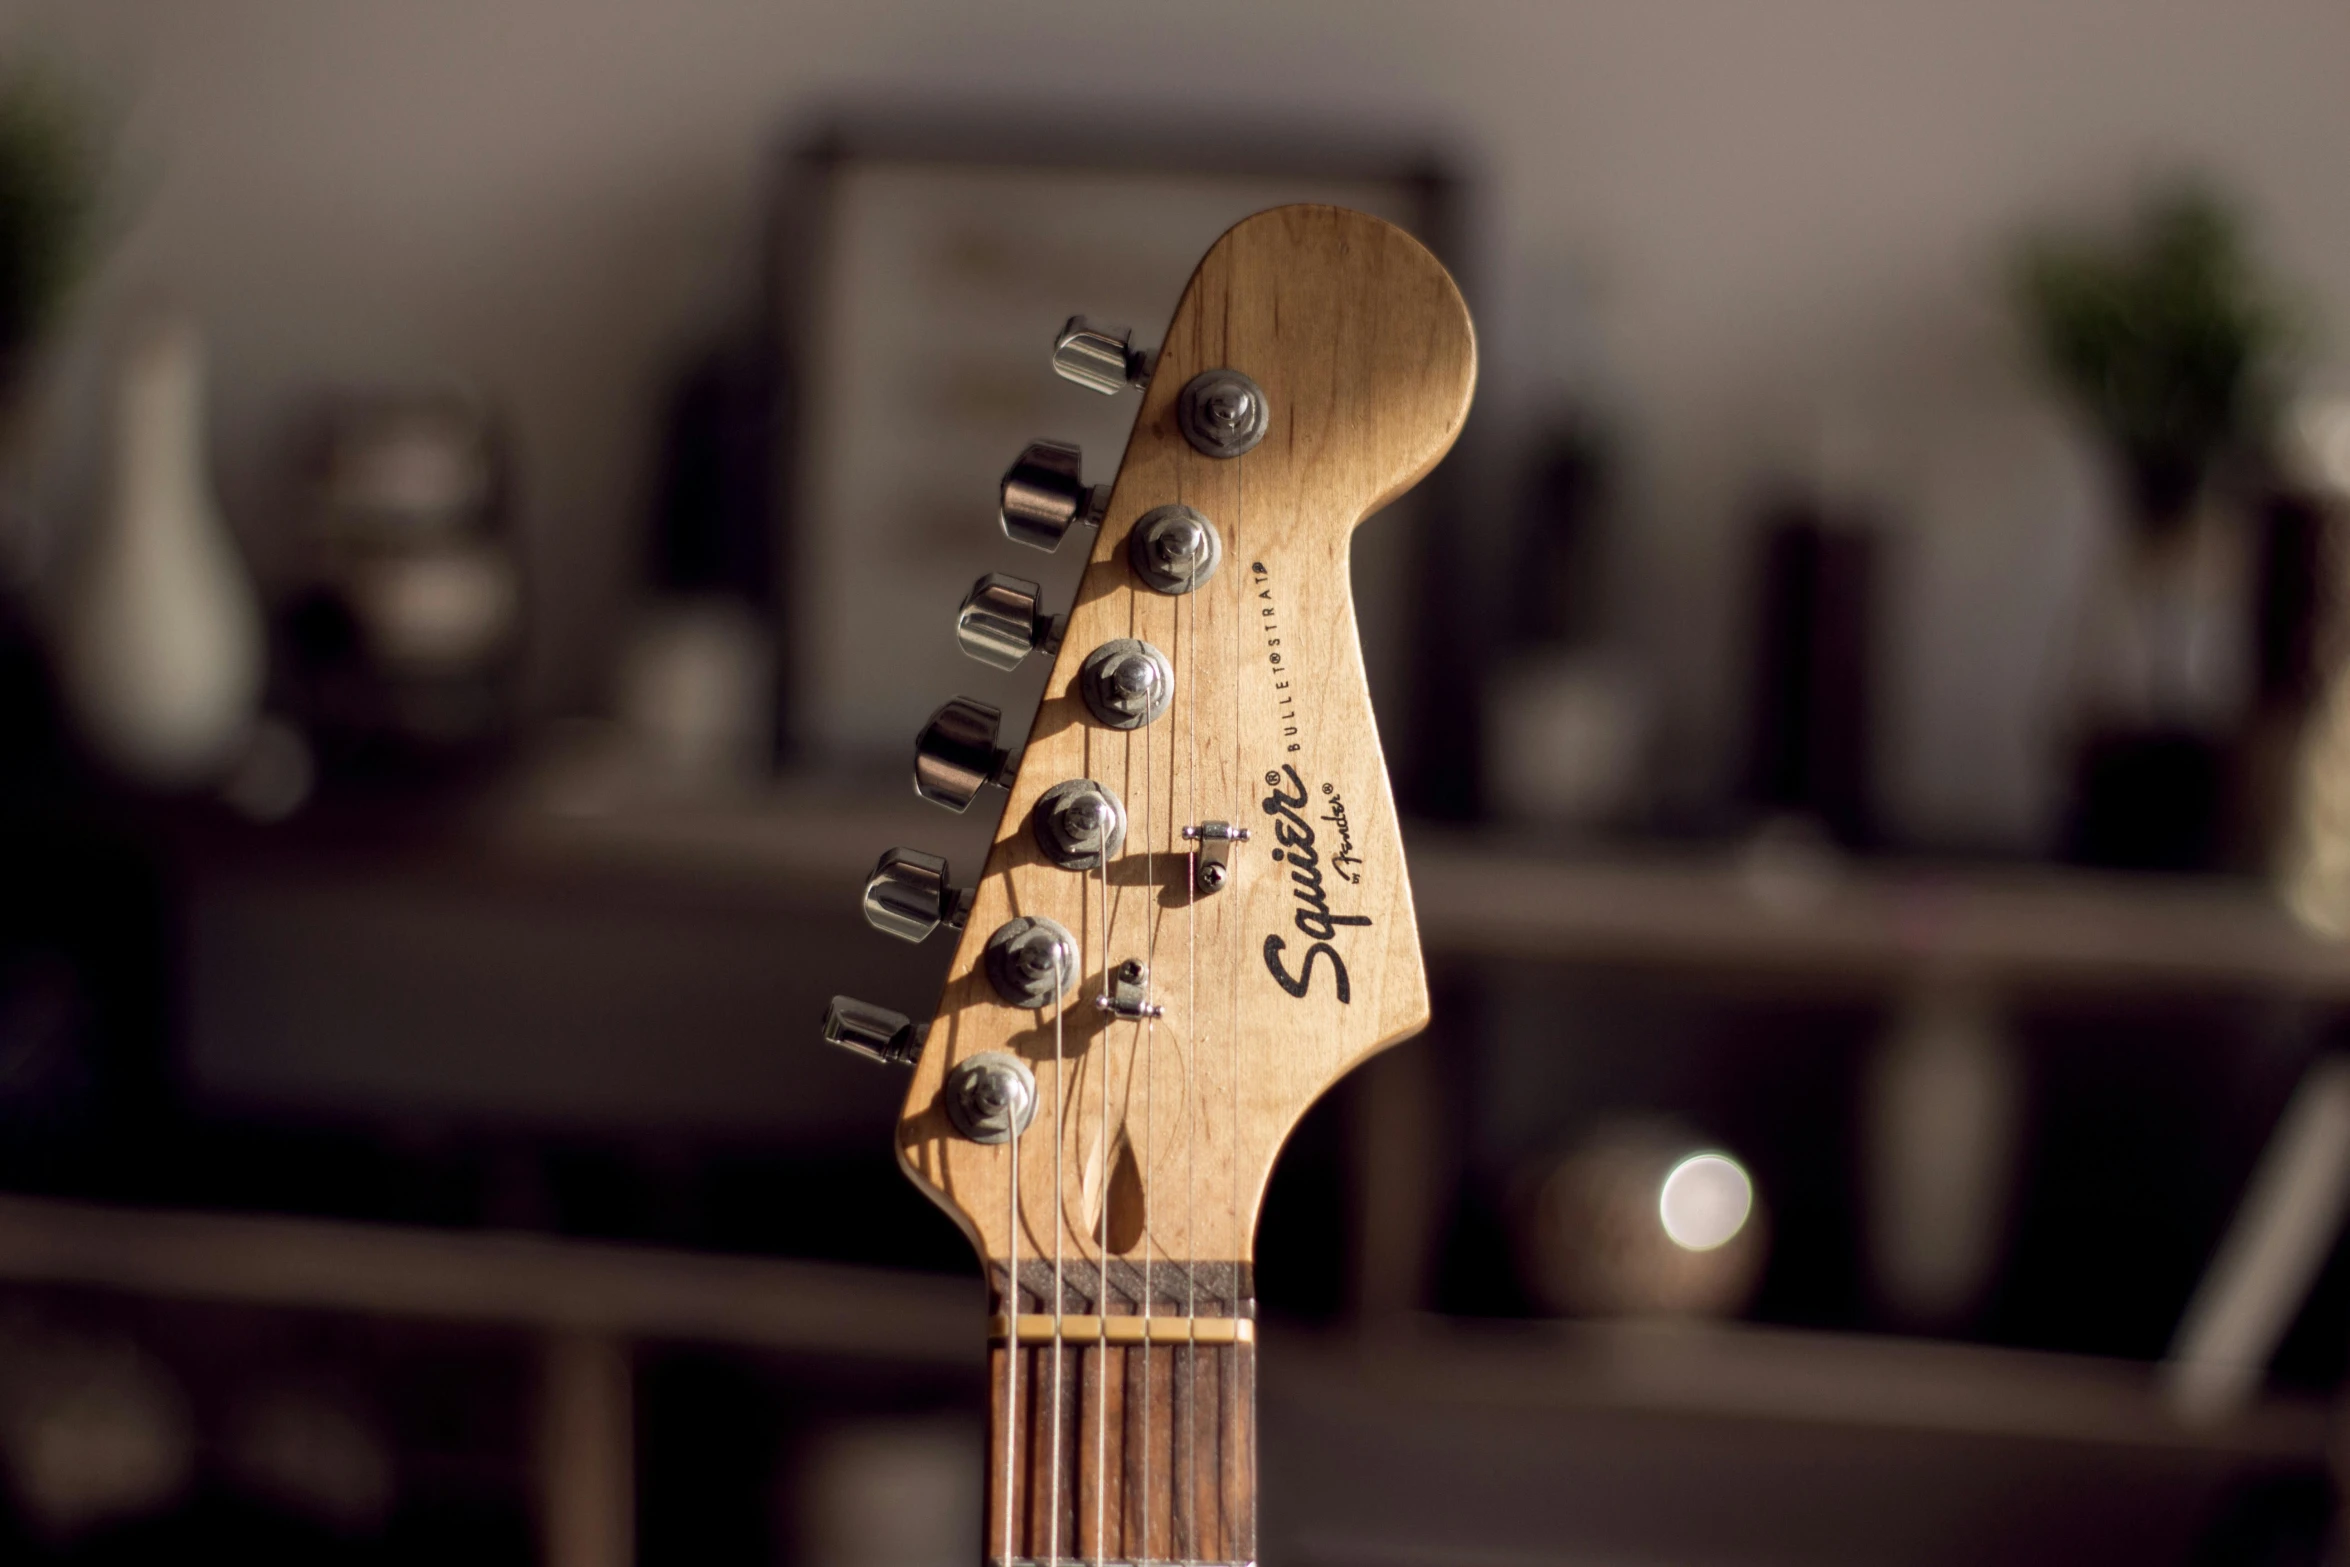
point(1101, 1305)
point(1150, 1040)
point(1060, 1138)
point(1198, 1250)
point(1191, 760)
point(1101, 1191)
point(1012, 1339)
point(1230, 1357)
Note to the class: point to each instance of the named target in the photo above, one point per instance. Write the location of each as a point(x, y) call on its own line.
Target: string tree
point(1129, 997)
point(1211, 861)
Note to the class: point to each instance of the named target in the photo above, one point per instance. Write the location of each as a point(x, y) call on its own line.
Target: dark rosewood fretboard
point(1153, 1456)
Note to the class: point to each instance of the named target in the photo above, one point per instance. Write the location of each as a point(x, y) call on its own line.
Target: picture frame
point(920, 269)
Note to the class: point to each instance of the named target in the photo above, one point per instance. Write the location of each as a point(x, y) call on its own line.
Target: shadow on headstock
point(1159, 1103)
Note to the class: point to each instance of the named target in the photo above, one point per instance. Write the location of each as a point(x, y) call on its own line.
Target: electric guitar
point(1195, 915)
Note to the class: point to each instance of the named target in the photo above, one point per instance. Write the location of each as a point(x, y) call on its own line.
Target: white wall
point(1732, 215)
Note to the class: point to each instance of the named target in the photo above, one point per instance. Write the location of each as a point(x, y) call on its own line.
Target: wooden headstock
point(1152, 1137)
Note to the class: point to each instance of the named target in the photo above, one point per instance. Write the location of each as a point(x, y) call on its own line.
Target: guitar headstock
point(1158, 1016)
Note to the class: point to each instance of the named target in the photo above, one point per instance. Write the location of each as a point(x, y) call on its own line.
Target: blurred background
point(482, 491)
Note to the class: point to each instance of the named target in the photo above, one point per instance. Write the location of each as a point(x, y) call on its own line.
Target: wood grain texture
point(1153, 1458)
point(1135, 1190)
point(1153, 1140)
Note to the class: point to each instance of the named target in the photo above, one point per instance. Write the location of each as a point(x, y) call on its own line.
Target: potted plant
point(2170, 343)
point(53, 164)
point(52, 173)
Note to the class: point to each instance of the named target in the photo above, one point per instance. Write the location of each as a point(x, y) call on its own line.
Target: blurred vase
point(1597, 1232)
point(2310, 857)
point(405, 634)
point(2163, 680)
point(1811, 747)
point(161, 646)
point(887, 1493)
point(1567, 739)
point(1944, 1107)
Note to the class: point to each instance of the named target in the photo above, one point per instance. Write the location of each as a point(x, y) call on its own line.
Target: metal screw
point(1212, 877)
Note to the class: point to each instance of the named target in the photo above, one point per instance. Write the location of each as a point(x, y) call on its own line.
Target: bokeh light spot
point(1705, 1201)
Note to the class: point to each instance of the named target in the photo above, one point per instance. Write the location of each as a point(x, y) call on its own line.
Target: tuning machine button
point(956, 754)
point(1044, 493)
point(1103, 358)
point(1000, 622)
point(889, 1037)
point(908, 897)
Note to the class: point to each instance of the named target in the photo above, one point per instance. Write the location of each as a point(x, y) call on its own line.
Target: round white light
point(1705, 1201)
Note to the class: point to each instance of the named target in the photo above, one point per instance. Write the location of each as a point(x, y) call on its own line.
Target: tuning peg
point(907, 896)
point(892, 1038)
point(956, 754)
point(1044, 491)
point(1103, 358)
point(999, 623)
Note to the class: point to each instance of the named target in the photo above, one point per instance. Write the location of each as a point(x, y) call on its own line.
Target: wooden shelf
point(561, 1287)
point(529, 1281)
point(1867, 921)
point(1850, 922)
point(1717, 1371)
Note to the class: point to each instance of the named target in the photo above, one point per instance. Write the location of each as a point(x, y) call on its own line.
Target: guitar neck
point(1120, 1435)
point(1194, 917)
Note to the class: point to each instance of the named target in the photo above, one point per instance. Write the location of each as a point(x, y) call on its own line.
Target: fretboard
point(1122, 1437)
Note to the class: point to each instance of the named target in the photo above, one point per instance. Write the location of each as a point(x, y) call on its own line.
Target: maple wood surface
point(1134, 1191)
point(1166, 1130)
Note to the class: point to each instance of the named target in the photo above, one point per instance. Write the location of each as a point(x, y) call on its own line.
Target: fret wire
point(1039, 1327)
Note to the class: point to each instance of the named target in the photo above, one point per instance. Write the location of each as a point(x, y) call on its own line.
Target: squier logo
point(1313, 918)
